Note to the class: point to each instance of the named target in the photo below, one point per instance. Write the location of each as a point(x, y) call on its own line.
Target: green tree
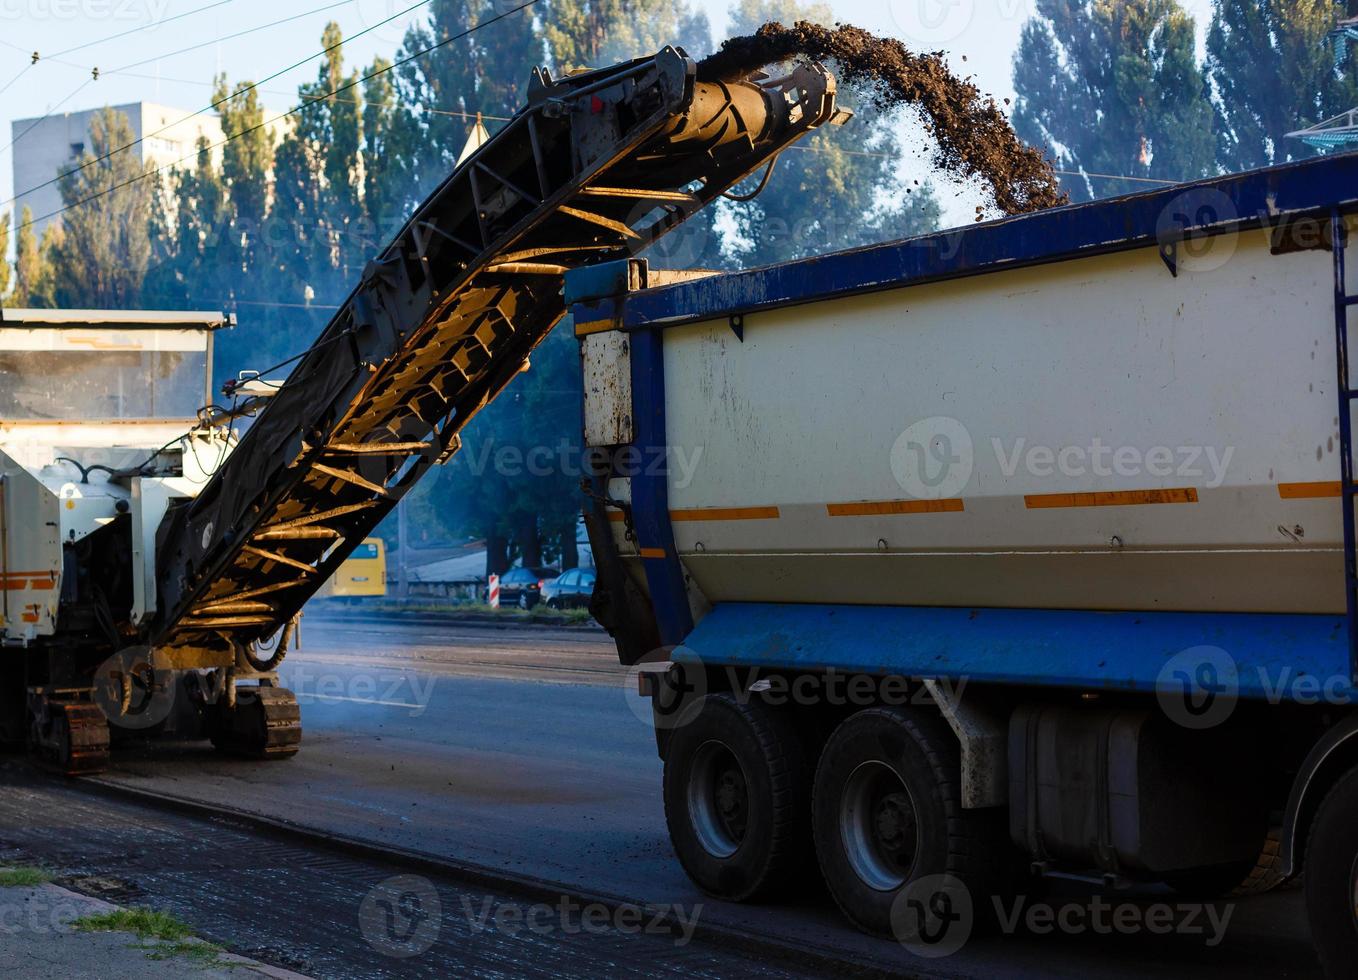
point(389, 136)
point(34, 284)
point(246, 162)
point(187, 235)
point(4, 256)
point(482, 72)
point(100, 259)
point(1113, 87)
point(1273, 73)
point(594, 33)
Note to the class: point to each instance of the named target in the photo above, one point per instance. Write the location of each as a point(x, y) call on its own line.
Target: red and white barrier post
point(493, 592)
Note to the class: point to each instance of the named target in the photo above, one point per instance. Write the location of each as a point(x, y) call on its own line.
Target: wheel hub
point(718, 799)
point(879, 826)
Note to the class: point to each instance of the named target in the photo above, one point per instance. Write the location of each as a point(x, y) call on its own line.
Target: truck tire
point(887, 812)
point(1332, 878)
point(1257, 877)
point(737, 798)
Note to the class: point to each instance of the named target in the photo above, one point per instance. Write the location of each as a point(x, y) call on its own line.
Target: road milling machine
point(154, 559)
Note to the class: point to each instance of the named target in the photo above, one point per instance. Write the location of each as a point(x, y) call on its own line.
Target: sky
point(149, 64)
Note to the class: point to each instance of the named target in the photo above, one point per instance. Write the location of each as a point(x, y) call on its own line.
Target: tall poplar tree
point(1112, 87)
point(1274, 72)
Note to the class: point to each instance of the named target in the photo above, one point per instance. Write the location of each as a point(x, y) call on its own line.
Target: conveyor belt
point(596, 167)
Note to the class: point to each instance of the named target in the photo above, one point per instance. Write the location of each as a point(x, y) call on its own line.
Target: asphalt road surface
point(525, 749)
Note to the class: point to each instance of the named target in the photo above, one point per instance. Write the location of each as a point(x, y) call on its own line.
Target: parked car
point(569, 590)
point(522, 587)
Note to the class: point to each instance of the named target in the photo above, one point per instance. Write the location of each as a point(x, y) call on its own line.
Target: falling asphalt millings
point(973, 138)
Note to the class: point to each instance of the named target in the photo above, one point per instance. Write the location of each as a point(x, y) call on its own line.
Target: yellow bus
point(363, 574)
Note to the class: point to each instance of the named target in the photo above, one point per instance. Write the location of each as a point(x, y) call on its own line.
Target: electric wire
point(307, 103)
point(218, 102)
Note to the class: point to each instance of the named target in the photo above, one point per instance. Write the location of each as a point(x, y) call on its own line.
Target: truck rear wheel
point(737, 797)
point(887, 813)
point(1332, 878)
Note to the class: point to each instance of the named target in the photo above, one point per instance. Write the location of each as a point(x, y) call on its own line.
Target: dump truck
point(1021, 549)
point(158, 539)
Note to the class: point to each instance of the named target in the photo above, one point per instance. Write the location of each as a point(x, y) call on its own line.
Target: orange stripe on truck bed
point(1301, 491)
point(1112, 498)
point(725, 514)
point(873, 508)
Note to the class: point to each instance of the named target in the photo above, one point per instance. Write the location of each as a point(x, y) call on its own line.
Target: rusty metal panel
point(607, 367)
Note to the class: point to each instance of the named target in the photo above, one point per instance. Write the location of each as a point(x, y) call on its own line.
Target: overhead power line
point(323, 97)
point(95, 73)
point(230, 37)
point(94, 76)
point(209, 108)
point(35, 57)
point(137, 30)
point(359, 102)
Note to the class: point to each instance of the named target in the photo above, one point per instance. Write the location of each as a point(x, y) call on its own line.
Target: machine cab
point(87, 378)
point(99, 417)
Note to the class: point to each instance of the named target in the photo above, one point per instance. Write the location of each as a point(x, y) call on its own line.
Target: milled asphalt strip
point(532, 888)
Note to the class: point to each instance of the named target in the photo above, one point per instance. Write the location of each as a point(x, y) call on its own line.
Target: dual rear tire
point(750, 812)
point(1332, 878)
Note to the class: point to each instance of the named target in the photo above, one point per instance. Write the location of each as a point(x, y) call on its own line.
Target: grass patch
point(162, 935)
point(202, 953)
point(142, 923)
point(23, 877)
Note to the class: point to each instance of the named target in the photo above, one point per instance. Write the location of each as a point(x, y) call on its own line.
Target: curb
point(93, 905)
